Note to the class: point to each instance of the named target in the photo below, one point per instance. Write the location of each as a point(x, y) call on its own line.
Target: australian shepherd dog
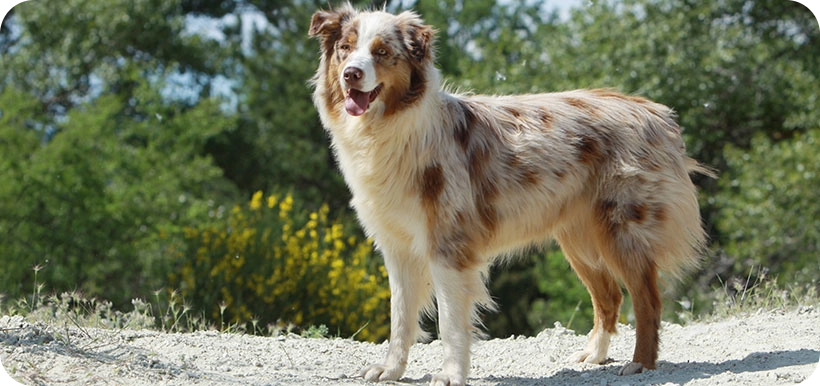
point(446, 184)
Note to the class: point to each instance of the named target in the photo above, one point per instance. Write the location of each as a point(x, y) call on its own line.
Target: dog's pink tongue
point(356, 102)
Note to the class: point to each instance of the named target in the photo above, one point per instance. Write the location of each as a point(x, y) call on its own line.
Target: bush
point(769, 210)
point(272, 262)
point(96, 198)
point(535, 291)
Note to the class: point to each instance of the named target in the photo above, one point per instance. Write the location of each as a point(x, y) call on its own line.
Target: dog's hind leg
point(627, 234)
point(643, 289)
point(605, 293)
point(410, 292)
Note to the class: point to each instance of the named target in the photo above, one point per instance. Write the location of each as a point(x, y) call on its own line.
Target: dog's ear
point(418, 37)
point(323, 23)
point(328, 24)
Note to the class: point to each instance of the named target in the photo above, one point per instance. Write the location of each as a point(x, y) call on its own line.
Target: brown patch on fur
point(545, 118)
point(418, 83)
point(432, 184)
point(605, 212)
point(486, 211)
point(659, 213)
point(455, 244)
point(636, 213)
point(406, 81)
point(464, 126)
point(485, 190)
point(650, 164)
point(456, 248)
point(582, 105)
point(396, 82)
point(606, 93)
point(333, 94)
point(516, 113)
point(389, 58)
point(615, 216)
point(589, 149)
point(350, 36)
point(526, 175)
point(611, 218)
point(517, 118)
point(470, 134)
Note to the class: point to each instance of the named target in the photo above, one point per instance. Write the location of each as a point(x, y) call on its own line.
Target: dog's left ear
point(418, 37)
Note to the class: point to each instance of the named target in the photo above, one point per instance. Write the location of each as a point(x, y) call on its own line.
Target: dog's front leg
point(410, 290)
point(457, 293)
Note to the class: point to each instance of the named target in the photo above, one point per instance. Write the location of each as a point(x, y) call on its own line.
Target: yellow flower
point(285, 206)
point(308, 268)
point(256, 200)
point(272, 201)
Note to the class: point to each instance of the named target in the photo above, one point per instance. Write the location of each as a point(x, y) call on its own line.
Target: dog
point(447, 184)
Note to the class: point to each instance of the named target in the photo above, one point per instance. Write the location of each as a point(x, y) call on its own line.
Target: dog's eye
point(381, 52)
point(344, 47)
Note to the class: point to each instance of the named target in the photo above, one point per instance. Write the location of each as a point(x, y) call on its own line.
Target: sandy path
point(767, 348)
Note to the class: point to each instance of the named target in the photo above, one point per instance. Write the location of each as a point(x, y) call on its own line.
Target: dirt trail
point(766, 348)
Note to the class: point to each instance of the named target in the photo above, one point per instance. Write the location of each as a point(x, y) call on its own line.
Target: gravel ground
point(765, 348)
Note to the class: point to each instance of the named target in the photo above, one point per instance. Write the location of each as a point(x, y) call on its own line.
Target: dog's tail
point(685, 254)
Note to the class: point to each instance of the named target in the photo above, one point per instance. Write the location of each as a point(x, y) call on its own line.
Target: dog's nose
point(353, 74)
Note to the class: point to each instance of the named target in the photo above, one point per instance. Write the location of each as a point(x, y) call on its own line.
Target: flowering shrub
point(274, 263)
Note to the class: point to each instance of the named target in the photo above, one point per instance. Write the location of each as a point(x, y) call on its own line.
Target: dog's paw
point(379, 372)
point(632, 368)
point(588, 356)
point(448, 379)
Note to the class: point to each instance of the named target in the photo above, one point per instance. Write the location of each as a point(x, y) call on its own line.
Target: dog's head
point(372, 57)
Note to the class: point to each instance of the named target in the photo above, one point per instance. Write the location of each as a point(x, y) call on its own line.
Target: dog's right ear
point(322, 23)
point(328, 24)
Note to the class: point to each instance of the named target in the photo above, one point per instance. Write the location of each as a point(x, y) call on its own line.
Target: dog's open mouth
point(356, 102)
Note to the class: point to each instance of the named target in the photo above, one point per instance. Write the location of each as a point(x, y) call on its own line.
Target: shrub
point(535, 291)
point(272, 262)
point(768, 207)
point(95, 199)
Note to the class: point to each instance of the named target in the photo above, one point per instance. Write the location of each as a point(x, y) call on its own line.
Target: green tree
point(769, 209)
point(103, 162)
point(279, 143)
point(99, 204)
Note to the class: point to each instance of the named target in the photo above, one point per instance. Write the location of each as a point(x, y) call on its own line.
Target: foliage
point(536, 291)
point(98, 202)
point(101, 166)
point(769, 207)
point(275, 263)
point(278, 136)
point(74, 308)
